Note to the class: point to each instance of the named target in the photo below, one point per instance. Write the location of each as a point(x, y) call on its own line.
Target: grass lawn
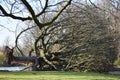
point(47, 75)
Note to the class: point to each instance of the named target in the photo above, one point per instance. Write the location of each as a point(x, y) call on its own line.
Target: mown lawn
point(47, 75)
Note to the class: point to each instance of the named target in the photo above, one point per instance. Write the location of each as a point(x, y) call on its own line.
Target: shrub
point(2, 58)
point(117, 62)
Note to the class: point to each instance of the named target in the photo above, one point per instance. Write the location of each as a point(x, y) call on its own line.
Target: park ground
point(54, 75)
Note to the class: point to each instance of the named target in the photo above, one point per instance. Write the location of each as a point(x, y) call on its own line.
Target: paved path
point(115, 72)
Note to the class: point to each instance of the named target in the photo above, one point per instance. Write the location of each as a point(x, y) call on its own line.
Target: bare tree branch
point(6, 28)
point(5, 14)
point(45, 7)
point(16, 41)
point(28, 6)
point(57, 3)
point(59, 12)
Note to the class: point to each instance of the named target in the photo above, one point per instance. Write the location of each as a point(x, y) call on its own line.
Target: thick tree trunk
point(9, 55)
point(25, 59)
point(34, 60)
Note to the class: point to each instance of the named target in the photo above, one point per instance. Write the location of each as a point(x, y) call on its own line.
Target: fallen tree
point(31, 61)
point(33, 17)
point(11, 59)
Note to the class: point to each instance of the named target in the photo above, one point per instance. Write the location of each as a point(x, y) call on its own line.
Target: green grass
point(32, 75)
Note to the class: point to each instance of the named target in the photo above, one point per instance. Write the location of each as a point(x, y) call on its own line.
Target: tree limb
point(5, 14)
point(58, 13)
point(16, 41)
point(45, 7)
point(30, 9)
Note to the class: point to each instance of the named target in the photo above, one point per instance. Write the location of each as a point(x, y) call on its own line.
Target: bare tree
point(80, 34)
point(25, 10)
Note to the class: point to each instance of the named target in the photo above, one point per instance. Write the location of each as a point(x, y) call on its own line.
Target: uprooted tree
point(80, 39)
point(19, 8)
point(11, 59)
